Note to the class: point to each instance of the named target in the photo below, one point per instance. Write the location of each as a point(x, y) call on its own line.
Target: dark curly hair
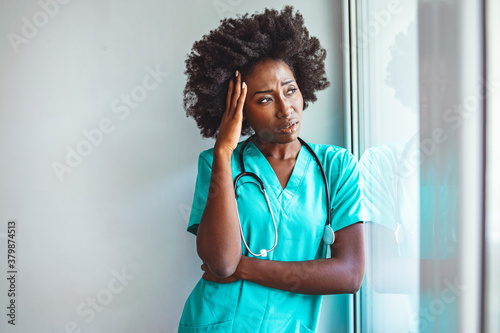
point(239, 44)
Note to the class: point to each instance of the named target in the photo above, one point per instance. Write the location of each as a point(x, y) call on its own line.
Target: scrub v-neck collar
point(263, 168)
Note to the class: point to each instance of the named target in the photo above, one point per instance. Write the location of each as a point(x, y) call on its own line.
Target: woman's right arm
point(218, 238)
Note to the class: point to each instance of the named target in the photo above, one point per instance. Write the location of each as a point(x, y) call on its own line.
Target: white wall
point(121, 210)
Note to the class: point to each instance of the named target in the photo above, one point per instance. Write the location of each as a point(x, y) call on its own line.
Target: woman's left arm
point(340, 274)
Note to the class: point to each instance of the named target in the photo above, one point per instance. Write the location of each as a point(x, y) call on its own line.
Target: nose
point(284, 109)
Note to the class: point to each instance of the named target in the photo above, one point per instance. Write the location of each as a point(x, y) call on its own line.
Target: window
point(421, 122)
point(389, 162)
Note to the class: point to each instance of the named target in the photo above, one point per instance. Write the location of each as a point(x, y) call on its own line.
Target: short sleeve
point(347, 202)
point(378, 169)
point(200, 193)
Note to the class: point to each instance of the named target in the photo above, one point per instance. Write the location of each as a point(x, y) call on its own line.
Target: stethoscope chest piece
point(400, 234)
point(328, 235)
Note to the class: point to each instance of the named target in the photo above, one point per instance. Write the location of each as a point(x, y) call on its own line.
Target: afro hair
point(239, 44)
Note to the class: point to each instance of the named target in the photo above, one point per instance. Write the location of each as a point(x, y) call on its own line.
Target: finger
point(236, 93)
point(241, 100)
point(229, 95)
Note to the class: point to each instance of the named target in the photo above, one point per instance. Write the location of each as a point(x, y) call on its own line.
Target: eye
point(291, 91)
point(264, 100)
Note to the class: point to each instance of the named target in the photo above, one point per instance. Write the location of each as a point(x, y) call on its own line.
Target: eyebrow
point(270, 90)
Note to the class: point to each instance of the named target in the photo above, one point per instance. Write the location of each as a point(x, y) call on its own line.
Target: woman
point(256, 74)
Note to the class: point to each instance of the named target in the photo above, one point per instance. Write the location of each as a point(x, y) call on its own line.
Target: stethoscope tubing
point(263, 252)
point(325, 180)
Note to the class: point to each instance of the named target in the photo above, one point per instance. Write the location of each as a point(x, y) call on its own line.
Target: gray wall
point(101, 187)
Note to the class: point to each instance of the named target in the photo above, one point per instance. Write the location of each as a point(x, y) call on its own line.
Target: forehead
point(269, 71)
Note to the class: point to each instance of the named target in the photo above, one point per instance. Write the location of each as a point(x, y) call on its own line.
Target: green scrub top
point(300, 214)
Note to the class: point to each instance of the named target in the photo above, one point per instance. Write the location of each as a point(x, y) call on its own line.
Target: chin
point(287, 138)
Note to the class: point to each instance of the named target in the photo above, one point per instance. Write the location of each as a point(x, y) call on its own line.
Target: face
point(273, 105)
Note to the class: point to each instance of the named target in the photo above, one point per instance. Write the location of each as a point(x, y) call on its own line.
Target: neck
point(277, 150)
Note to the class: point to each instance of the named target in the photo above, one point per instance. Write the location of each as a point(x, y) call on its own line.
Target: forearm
point(218, 238)
point(343, 273)
point(318, 277)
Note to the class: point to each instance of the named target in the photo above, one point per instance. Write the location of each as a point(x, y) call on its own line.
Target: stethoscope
point(328, 234)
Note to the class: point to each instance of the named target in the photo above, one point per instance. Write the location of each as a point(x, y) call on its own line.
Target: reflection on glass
point(390, 164)
point(390, 186)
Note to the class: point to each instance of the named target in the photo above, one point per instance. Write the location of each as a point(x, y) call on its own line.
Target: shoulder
point(332, 156)
point(328, 150)
point(384, 155)
point(207, 156)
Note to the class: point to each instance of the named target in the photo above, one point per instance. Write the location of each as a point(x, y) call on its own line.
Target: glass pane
point(492, 171)
point(389, 148)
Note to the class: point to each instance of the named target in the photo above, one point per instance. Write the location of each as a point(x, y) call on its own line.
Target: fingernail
point(236, 73)
point(243, 85)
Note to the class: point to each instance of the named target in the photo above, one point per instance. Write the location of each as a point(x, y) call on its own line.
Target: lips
point(289, 127)
point(289, 124)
